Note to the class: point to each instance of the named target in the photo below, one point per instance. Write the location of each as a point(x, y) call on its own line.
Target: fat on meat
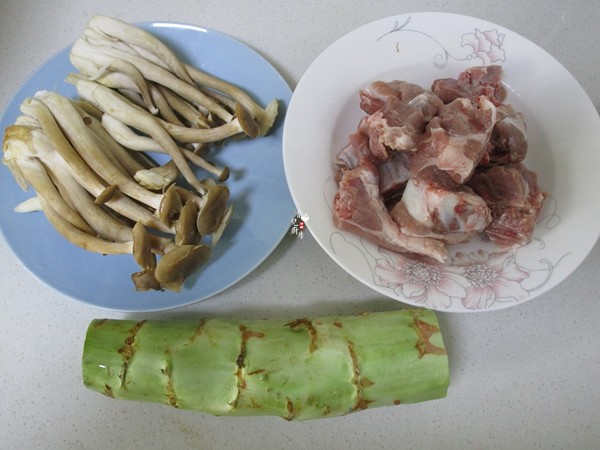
point(359, 208)
point(472, 83)
point(455, 142)
point(453, 216)
point(515, 200)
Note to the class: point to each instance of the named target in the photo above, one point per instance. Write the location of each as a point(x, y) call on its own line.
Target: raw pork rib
point(509, 137)
point(472, 83)
point(397, 115)
point(455, 142)
point(512, 193)
point(427, 168)
point(453, 216)
point(359, 208)
point(375, 96)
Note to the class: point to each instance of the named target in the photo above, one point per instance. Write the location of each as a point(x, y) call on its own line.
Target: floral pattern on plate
point(483, 45)
point(478, 279)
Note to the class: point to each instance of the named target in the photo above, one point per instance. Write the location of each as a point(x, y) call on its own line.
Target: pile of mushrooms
point(89, 159)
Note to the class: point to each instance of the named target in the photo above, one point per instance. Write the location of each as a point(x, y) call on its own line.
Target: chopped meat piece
point(515, 199)
point(383, 136)
point(397, 115)
point(358, 208)
point(428, 104)
point(374, 96)
point(455, 142)
point(451, 215)
point(427, 168)
point(509, 137)
point(411, 226)
point(473, 82)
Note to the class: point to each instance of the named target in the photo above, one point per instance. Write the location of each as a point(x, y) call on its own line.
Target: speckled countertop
point(524, 377)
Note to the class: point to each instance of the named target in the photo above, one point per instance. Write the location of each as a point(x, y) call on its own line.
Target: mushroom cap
point(107, 194)
point(212, 213)
point(224, 175)
point(142, 247)
point(176, 265)
point(170, 206)
point(247, 122)
point(145, 281)
point(186, 231)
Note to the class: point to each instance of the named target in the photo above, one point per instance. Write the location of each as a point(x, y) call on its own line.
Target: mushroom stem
point(150, 71)
point(119, 74)
point(199, 135)
point(103, 223)
point(103, 163)
point(18, 148)
point(148, 50)
point(117, 106)
point(194, 117)
point(126, 158)
point(135, 36)
point(81, 171)
point(133, 141)
point(82, 239)
point(164, 108)
point(265, 117)
point(100, 221)
point(88, 158)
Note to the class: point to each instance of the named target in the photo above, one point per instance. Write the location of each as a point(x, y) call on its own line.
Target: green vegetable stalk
point(298, 369)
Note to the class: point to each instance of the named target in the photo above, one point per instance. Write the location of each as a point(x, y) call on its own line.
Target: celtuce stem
point(307, 368)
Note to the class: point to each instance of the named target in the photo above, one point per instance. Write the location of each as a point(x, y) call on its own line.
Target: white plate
point(263, 205)
point(564, 138)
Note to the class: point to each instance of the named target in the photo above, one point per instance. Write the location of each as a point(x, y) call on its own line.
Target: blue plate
point(263, 204)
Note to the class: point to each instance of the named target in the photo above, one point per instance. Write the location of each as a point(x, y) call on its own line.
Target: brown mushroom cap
point(186, 231)
point(216, 235)
point(212, 213)
point(247, 122)
point(107, 194)
point(170, 206)
point(224, 175)
point(145, 281)
point(176, 265)
point(142, 247)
